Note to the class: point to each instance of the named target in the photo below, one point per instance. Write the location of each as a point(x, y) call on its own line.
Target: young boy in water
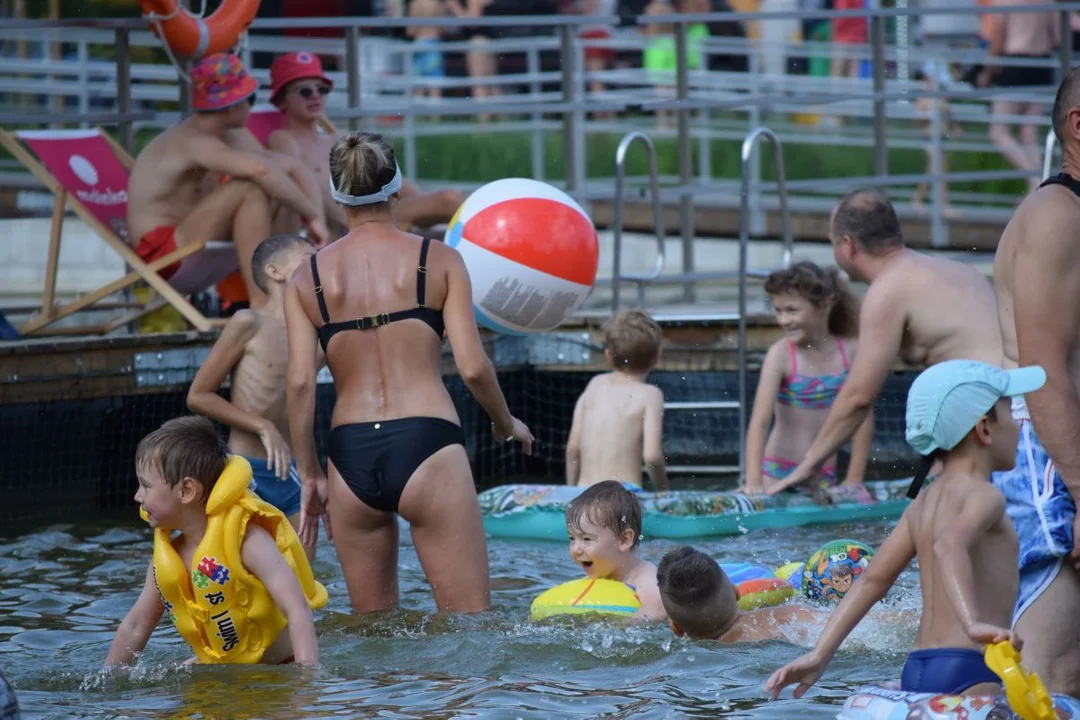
point(604, 524)
point(619, 419)
point(178, 466)
point(702, 603)
point(253, 348)
point(959, 412)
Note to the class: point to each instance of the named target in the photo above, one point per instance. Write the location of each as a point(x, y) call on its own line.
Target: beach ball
point(829, 573)
point(586, 595)
point(531, 252)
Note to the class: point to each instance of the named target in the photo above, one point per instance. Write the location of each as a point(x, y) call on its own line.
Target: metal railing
point(617, 275)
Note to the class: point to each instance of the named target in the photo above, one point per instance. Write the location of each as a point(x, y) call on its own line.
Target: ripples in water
point(66, 588)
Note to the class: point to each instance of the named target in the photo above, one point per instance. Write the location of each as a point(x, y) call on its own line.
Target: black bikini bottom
point(377, 459)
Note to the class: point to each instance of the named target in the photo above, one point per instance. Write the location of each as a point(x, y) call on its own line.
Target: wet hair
point(183, 447)
point(869, 218)
point(819, 286)
point(634, 339)
point(1068, 97)
point(362, 163)
point(609, 505)
point(697, 594)
point(268, 251)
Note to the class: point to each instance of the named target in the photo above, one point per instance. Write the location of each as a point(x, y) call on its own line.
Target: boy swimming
point(244, 590)
point(702, 604)
point(604, 524)
point(800, 377)
point(958, 411)
point(253, 348)
point(619, 420)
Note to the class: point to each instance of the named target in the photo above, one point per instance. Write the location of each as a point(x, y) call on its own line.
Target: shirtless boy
point(604, 525)
point(1037, 280)
point(254, 349)
point(168, 204)
point(299, 88)
point(958, 412)
point(920, 308)
point(702, 604)
point(619, 419)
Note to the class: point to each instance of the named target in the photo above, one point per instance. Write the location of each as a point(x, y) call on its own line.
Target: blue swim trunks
point(949, 671)
point(1041, 509)
point(428, 63)
point(282, 494)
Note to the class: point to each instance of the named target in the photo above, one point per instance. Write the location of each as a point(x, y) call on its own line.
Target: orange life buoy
point(193, 37)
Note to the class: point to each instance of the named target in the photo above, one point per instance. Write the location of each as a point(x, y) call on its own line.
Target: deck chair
point(265, 119)
point(87, 171)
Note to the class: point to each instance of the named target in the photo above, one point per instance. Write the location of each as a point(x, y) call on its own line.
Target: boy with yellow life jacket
point(236, 576)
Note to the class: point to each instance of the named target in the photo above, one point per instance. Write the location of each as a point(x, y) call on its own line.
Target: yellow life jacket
point(220, 609)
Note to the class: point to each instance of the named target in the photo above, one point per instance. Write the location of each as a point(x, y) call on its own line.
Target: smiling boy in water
point(604, 524)
point(958, 411)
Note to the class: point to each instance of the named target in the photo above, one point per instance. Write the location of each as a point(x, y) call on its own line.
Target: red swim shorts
point(157, 243)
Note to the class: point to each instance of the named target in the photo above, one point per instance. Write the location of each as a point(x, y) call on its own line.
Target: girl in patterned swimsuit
point(801, 376)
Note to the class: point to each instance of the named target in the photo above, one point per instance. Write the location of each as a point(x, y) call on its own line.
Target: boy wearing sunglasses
point(299, 88)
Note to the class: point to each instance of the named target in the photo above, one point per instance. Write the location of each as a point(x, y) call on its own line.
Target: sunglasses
point(308, 92)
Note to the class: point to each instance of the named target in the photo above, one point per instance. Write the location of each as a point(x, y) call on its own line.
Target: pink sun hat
point(294, 66)
point(220, 81)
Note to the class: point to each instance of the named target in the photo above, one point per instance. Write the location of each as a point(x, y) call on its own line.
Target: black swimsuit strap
point(1063, 179)
point(318, 289)
point(421, 273)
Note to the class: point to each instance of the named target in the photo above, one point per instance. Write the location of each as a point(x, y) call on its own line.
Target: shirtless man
point(169, 205)
point(299, 88)
point(619, 419)
point(1037, 280)
point(919, 308)
point(253, 349)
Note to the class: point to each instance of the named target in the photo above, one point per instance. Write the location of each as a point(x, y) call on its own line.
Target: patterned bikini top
point(812, 392)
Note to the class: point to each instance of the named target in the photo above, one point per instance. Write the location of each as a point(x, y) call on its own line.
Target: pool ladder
point(742, 274)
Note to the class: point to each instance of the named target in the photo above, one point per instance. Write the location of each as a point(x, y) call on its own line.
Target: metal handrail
point(1048, 155)
point(658, 218)
point(744, 245)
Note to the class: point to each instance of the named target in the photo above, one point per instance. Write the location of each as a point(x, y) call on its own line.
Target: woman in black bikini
point(378, 301)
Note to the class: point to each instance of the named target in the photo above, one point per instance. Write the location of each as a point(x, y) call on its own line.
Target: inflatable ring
point(193, 37)
point(757, 585)
point(586, 595)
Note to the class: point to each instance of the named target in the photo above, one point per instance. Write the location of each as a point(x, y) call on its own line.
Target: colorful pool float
point(536, 511)
point(888, 702)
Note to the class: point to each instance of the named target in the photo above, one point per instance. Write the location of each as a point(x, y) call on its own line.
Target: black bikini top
point(425, 314)
point(1063, 179)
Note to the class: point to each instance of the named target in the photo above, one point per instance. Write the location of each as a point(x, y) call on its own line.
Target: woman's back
point(385, 366)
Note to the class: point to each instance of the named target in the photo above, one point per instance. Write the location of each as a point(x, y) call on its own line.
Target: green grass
point(482, 157)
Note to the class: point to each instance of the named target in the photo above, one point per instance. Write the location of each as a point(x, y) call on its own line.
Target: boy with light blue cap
point(958, 412)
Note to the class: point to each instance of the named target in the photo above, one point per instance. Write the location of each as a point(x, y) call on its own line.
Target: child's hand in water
point(806, 670)
point(990, 634)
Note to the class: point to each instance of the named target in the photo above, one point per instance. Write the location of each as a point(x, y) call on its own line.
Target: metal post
point(569, 118)
point(881, 150)
point(123, 85)
point(686, 166)
point(537, 134)
point(1048, 155)
point(352, 72)
point(1065, 46)
point(938, 229)
point(903, 43)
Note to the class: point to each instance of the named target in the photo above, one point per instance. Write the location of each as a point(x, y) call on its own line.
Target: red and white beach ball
point(531, 252)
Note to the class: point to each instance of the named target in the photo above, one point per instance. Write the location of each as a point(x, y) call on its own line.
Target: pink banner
point(86, 166)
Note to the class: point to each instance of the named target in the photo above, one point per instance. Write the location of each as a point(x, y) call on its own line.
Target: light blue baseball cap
point(946, 400)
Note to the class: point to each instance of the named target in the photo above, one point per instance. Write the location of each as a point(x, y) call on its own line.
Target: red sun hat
point(294, 66)
point(220, 81)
